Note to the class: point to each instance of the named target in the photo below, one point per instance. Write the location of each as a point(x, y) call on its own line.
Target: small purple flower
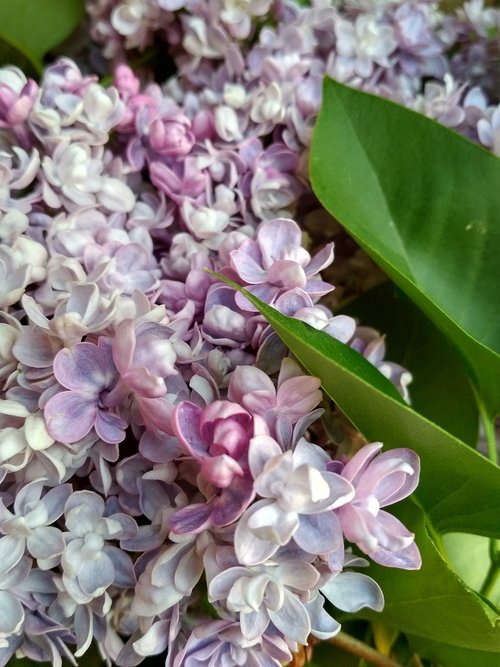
point(276, 262)
point(88, 372)
point(282, 407)
point(268, 593)
point(218, 438)
point(222, 643)
point(380, 481)
point(297, 495)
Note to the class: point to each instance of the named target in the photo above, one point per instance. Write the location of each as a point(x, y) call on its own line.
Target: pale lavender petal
point(124, 576)
point(27, 497)
point(246, 267)
point(79, 368)
point(45, 542)
point(11, 614)
point(191, 519)
point(155, 640)
point(254, 624)
point(110, 427)
point(352, 591)
point(96, 575)
point(356, 466)
point(54, 501)
point(69, 416)
point(323, 626)
point(83, 510)
point(319, 533)
point(406, 559)
point(321, 260)
point(11, 552)
point(186, 424)
point(247, 379)
point(292, 619)
point(275, 235)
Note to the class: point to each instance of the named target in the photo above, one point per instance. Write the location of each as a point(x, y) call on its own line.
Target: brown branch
point(362, 650)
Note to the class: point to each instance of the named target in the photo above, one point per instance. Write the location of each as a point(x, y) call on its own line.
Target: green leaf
point(453, 656)
point(413, 341)
point(434, 602)
point(458, 487)
point(34, 27)
point(423, 202)
point(470, 557)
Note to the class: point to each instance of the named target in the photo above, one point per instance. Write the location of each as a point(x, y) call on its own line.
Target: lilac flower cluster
point(148, 460)
point(162, 485)
point(256, 67)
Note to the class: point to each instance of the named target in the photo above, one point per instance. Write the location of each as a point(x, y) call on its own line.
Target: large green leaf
point(413, 341)
point(423, 202)
point(458, 487)
point(434, 602)
point(453, 656)
point(34, 27)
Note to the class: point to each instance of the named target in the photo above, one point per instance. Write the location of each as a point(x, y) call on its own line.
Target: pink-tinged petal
point(319, 533)
point(274, 235)
point(320, 261)
point(261, 449)
point(352, 591)
point(299, 395)
point(79, 368)
point(391, 534)
point(124, 346)
point(191, 519)
point(341, 492)
point(356, 466)
point(318, 288)
point(156, 413)
point(265, 292)
point(69, 416)
point(110, 427)
point(248, 379)
point(356, 526)
point(286, 274)
point(145, 383)
point(186, 425)
point(232, 502)
point(292, 301)
point(405, 559)
point(248, 269)
point(220, 470)
point(391, 476)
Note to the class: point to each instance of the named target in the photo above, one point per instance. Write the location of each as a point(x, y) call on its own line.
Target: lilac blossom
point(297, 495)
point(380, 481)
point(276, 262)
point(88, 373)
point(31, 520)
point(222, 643)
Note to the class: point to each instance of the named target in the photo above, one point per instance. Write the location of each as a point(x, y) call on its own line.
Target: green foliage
point(433, 602)
point(31, 28)
point(423, 202)
point(458, 487)
point(440, 389)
